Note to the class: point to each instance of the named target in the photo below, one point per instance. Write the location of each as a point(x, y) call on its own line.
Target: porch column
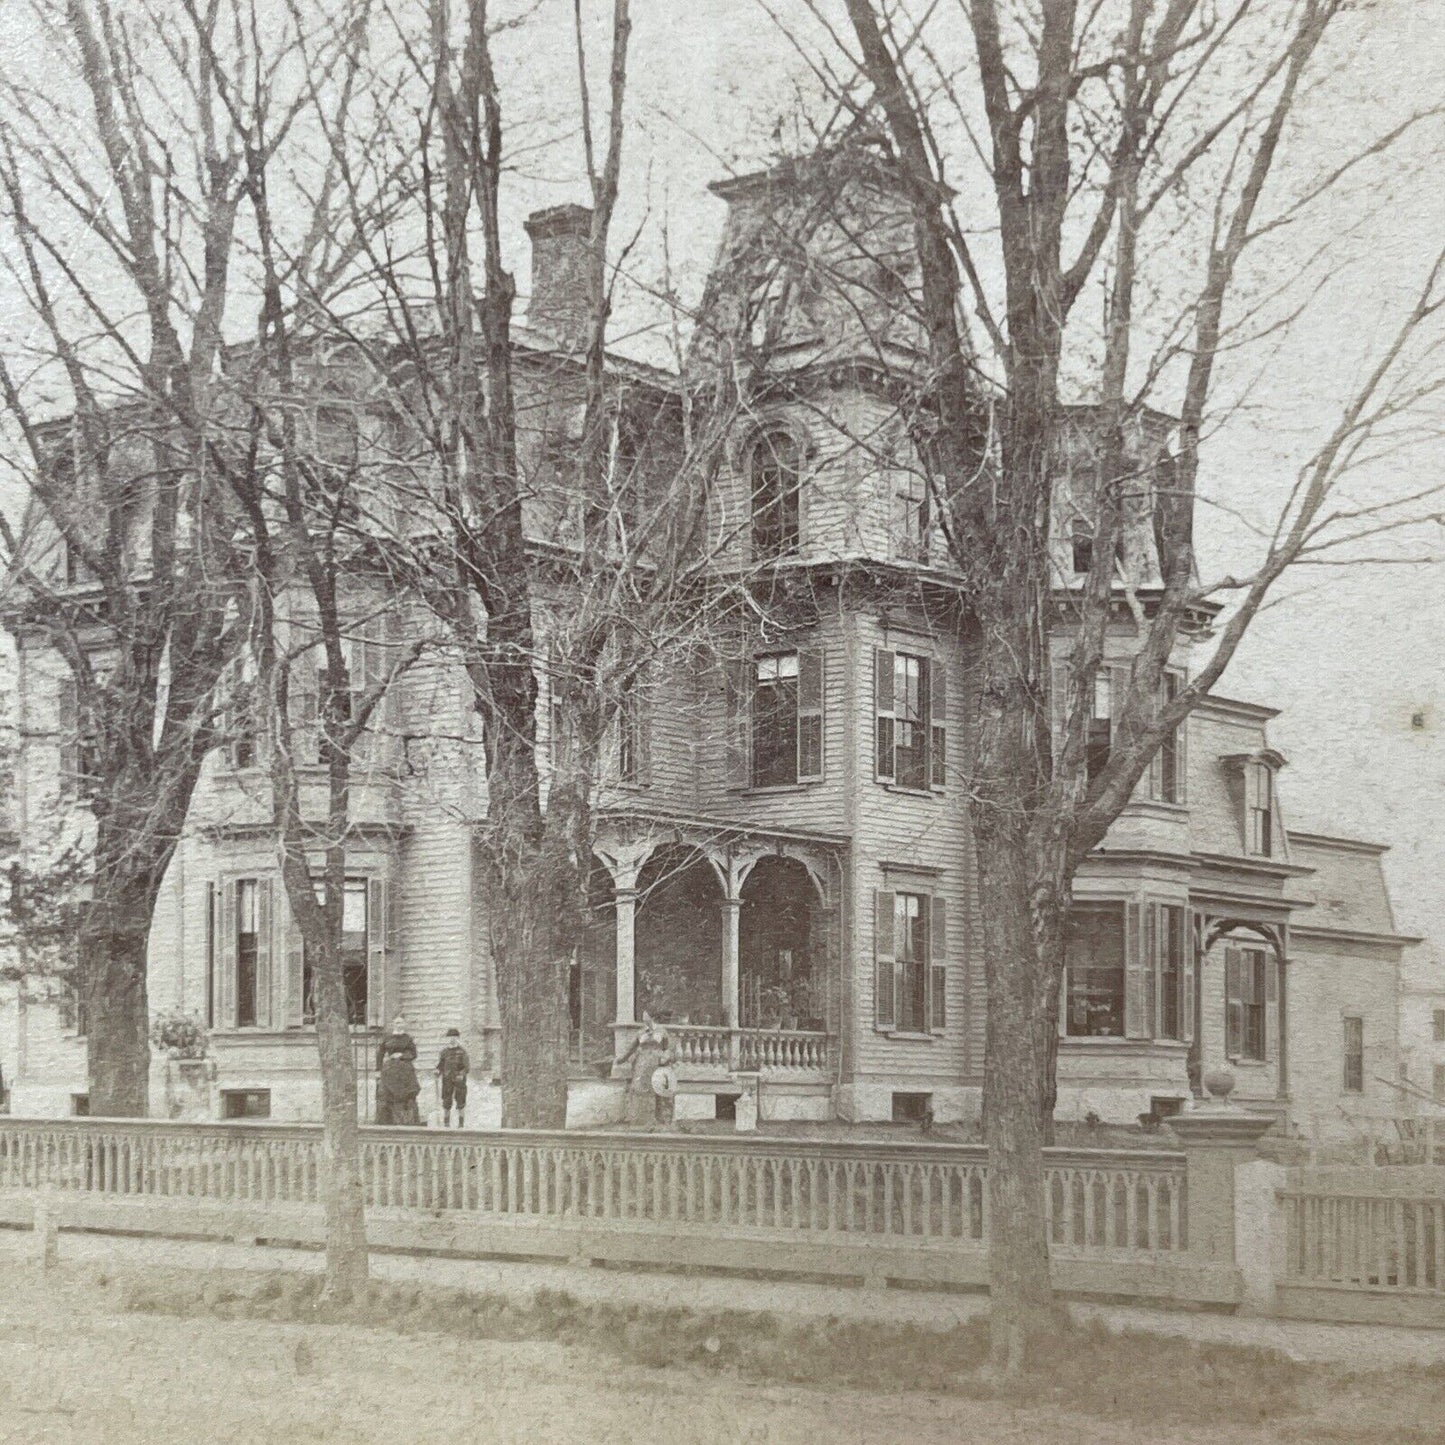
point(732, 910)
point(626, 910)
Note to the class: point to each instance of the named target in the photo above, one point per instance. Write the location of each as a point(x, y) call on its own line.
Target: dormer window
point(776, 472)
point(1259, 809)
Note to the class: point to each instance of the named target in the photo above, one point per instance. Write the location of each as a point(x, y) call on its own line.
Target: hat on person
point(454, 1033)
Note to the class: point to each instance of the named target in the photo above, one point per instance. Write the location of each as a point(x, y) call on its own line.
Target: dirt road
point(78, 1367)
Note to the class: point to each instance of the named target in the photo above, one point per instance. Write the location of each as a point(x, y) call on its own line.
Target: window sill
point(1157, 805)
point(1248, 1063)
point(909, 792)
point(908, 1036)
point(772, 789)
point(1120, 1041)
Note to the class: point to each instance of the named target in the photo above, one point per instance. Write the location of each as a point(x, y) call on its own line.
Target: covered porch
point(730, 938)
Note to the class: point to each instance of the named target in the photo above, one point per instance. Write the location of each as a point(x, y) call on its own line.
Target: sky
point(1352, 656)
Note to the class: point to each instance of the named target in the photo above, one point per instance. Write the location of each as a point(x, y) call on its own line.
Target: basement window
point(245, 1103)
point(911, 1108)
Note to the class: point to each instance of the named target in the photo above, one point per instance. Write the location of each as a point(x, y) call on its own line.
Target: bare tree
point(562, 549)
point(1115, 145)
point(117, 567)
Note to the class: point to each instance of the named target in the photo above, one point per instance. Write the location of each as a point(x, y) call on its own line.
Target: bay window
point(1129, 971)
point(1094, 964)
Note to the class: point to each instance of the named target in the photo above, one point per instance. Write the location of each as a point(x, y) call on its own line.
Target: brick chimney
point(559, 272)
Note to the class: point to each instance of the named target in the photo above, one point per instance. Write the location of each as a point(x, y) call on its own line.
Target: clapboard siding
point(929, 832)
point(436, 932)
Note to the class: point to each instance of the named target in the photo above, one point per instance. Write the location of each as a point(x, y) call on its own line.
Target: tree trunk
point(1018, 1258)
point(347, 1259)
point(117, 1042)
point(534, 885)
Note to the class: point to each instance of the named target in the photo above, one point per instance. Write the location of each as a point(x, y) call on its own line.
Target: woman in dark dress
point(397, 1085)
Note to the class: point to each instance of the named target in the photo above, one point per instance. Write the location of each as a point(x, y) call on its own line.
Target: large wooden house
point(784, 868)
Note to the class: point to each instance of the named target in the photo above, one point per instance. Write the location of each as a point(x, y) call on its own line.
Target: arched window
point(776, 468)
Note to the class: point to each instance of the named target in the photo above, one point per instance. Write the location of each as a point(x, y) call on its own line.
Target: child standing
point(453, 1066)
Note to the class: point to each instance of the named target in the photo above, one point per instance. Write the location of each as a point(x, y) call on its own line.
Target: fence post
point(1217, 1137)
point(1259, 1233)
point(45, 1225)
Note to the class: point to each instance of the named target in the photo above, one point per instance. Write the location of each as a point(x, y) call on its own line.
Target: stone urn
point(1219, 1084)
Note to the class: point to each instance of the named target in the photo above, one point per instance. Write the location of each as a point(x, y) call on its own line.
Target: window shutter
point(375, 951)
point(1156, 943)
point(293, 989)
point(885, 1001)
point(1059, 702)
point(1190, 972)
point(1136, 972)
point(305, 710)
point(938, 723)
point(884, 767)
point(212, 939)
point(811, 672)
point(737, 683)
point(938, 966)
point(1233, 1003)
point(67, 725)
point(391, 989)
point(1120, 676)
point(226, 958)
point(264, 984)
point(1181, 751)
point(1271, 1004)
point(642, 712)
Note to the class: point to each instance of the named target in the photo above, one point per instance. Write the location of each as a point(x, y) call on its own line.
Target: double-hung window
point(1354, 1080)
point(1094, 963)
point(239, 938)
point(633, 731)
point(910, 962)
point(1259, 809)
point(775, 719)
point(1167, 768)
point(911, 514)
point(910, 719)
point(1100, 739)
point(356, 939)
point(1246, 987)
point(776, 476)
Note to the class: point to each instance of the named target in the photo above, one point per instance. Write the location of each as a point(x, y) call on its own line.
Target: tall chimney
point(559, 272)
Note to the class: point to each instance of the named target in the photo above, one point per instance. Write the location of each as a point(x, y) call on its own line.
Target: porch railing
point(710, 1046)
